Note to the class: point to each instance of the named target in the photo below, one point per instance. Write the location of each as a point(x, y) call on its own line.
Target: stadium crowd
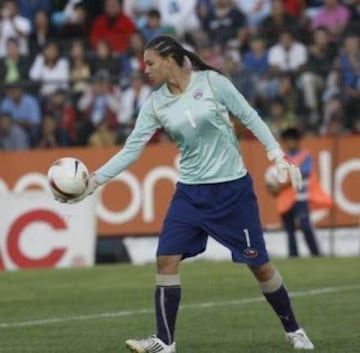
point(71, 71)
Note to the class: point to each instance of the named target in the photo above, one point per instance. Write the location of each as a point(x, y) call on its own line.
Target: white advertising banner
point(38, 232)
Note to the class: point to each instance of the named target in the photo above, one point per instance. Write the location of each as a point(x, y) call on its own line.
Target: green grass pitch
point(95, 309)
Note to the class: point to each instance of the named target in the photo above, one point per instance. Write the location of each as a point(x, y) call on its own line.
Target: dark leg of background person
point(303, 215)
point(289, 225)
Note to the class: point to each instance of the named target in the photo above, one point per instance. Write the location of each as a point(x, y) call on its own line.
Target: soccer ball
point(68, 177)
point(272, 181)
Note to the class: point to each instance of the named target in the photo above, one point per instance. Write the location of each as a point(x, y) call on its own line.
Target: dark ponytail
point(168, 46)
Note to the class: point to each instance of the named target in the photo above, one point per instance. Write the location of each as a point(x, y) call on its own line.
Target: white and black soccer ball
point(68, 177)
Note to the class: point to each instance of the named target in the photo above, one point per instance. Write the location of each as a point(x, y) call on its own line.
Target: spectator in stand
point(60, 106)
point(280, 117)
point(51, 135)
point(28, 9)
point(180, 15)
point(42, 32)
point(154, 26)
point(12, 136)
point(256, 61)
point(132, 60)
point(50, 69)
point(114, 26)
point(103, 59)
point(79, 68)
point(22, 107)
point(101, 101)
point(277, 22)
point(334, 16)
point(333, 114)
point(255, 11)
point(287, 55)
point(242, 78)
point(13, 25)
point(210, 53)
point(103, 136)
point(226, 24)
point(349, 65)
point(318, 72)
point(13, 67)
point(131, 101)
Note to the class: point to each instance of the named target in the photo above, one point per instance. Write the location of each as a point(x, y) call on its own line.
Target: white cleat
point(299, 340)
point(151, 344)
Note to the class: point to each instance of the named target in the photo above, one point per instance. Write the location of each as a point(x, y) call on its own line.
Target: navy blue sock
point(280, 302)
point(167, 300)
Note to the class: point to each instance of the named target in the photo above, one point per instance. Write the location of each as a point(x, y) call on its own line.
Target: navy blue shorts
point(227, 211)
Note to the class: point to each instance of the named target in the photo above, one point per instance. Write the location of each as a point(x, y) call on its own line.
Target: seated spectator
point(51, 134)
point(333, 16)
point(113, 25)
point(60, 106)
point(12, 136)
point(277, 22)
point(50, 70)
point(101, 101)
point(131, 101)
point(242, 78)
point(210, 53)
point(104, 60)
point(318, 72)
point(13, 67)
point(225, 24)
point(280, 117)
point(256, 61)
point(133, 60)
point(333, 123)
point(13, 25)
point(255, 11)
point(153, 26)
point(349, 65)
point(42, 32)
point(288, 55)
point(103, 136)
point(180, 15)
point(22, 107)
point(79, 68)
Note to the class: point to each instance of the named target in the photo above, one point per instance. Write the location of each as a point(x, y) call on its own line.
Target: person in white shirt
point(288, 55)
point(50, 70)
point(12, 25)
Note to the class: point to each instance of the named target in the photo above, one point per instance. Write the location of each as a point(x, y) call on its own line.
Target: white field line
point(244, 301)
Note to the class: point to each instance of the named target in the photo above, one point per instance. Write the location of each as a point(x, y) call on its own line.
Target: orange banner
point(136, 202)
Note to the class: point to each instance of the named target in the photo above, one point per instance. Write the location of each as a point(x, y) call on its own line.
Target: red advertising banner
point(136, 201)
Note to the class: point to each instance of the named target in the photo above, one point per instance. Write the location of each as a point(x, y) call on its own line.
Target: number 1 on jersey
point(190, 118)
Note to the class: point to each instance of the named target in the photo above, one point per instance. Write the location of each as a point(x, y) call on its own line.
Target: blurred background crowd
point(71, 71)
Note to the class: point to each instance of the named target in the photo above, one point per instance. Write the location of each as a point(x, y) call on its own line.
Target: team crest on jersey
point(250, 253)
point(198, 93)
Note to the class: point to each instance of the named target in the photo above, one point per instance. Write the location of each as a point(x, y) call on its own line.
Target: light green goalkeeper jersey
point(198, 121)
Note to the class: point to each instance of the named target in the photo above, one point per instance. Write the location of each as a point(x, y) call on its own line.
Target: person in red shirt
point(114, 26)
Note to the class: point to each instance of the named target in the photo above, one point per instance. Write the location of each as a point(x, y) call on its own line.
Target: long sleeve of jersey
point(232, 99)
point(145, 127)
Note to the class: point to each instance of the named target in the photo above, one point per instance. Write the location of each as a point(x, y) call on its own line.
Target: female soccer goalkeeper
point(214, 195)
